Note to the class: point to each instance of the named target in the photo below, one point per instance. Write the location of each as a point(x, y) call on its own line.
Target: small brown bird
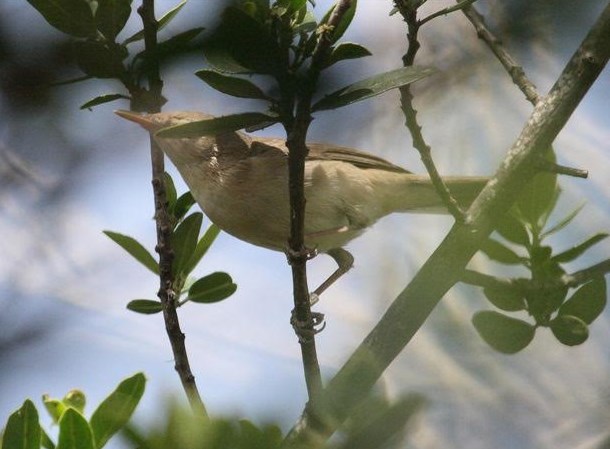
point(241, 184)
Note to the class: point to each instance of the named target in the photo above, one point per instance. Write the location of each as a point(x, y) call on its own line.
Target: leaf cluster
point(23, 428)
point(278, 41)
point(544, 296)
point(189, 248)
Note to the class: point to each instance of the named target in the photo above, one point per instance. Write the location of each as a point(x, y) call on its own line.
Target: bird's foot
point(306, 330)
point(302, 255)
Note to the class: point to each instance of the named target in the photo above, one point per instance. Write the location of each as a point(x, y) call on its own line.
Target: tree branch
point(153, 101)
point(446, 265)
point(514, 70)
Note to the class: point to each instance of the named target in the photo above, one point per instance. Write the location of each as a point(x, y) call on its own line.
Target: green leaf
point(75, 399)
point(22, 428)
point(506, 299)
point(212, 288)
point(145, 306)
point(135, 248)
point(539, 196)
point(55, 408)
point(46, 441)
point(99, 59)
point(307, 24)
point(372, 86)
point(202, 247)
point(111, 16)
point(114, 412)
point(563, 223)
point(588, 302)
point(503, 333)
point(500, 253)
point(217, 125)
point(107, 98)
point(237, 87)
point(569, 330)
point(74, 432)
point(346, 50)
point(161, 23)
point(177, 44)
point(73, 17)
point(219, 57)
point(170, 191)
point(343, 24)
point(513, 230)
point(574, 252)
point(184, 242)
point(183, 205)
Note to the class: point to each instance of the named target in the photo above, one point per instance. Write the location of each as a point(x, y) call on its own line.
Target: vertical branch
point(296, 131)
point(153, 100)
point(406, 103)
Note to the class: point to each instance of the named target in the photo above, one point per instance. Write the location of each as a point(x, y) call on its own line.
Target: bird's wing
point(267, 147)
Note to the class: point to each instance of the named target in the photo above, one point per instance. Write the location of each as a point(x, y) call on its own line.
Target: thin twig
point(515, 71)
point(410, 113)
point(164, 229)
point(443, 12)
point(444, 268)
point(551, 167)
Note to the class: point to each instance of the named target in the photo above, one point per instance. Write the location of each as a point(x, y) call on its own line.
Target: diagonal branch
point(444, 268)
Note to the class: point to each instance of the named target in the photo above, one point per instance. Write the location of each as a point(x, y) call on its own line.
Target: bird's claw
point(307, 330)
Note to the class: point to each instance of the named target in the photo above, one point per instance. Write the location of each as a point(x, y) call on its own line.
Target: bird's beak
point(141, 119)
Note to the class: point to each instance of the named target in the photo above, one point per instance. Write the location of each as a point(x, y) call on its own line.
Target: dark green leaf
point(569, 330)
point(506, 299)
point(46, 441)
point(202, 247)
point(217, 125)
point(372, 86)
point(503, 333)
point(343, 24)
point(237, 87)
point(170, 191)
point(500, 253)
point(184, 242)
point(111, 16)
point(73, 17)
point(563, 223)
point(539, 196)
point(74, 432)
point(135, 248)
point(100, 60)
point(573, 253)
point(247, 41)
point(103, 99)
point(588, 302)
point(183, 205)
point(22, 428)
point(161, 23)
point(513, 230)
point(145, 306)
point(212, 288)
point(114, 412)
point(346, 50)
point(177, 44)
point(219, 57)
point(307, 24)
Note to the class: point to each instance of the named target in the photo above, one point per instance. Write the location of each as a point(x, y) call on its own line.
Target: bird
point(240, 182)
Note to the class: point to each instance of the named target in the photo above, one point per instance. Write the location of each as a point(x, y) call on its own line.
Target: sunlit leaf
point(74, 432)
point(588, 302)
point(212, 288)
point(22, 429)
point(114, 412)
point(503, 333)
point(135, 248)
point(202, 247)
point(372, 86)
point(569, 330)
point(217, 125)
